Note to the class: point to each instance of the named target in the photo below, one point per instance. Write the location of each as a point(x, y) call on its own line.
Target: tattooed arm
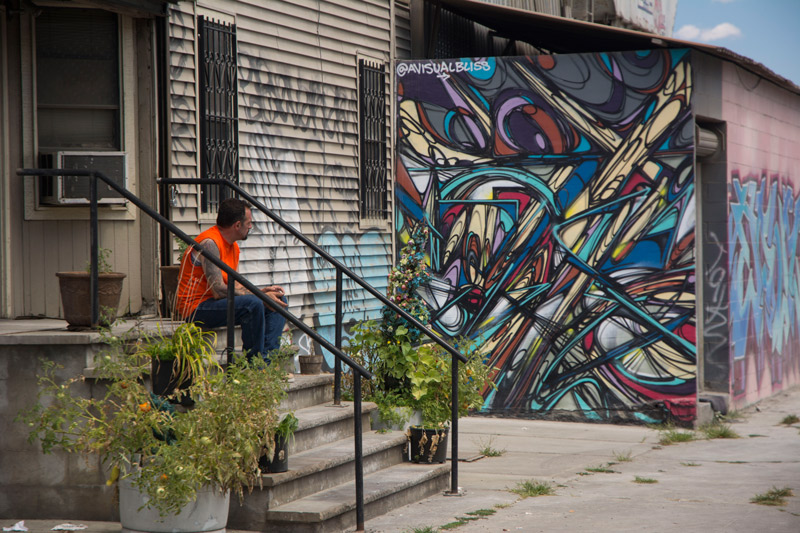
point(217, 286)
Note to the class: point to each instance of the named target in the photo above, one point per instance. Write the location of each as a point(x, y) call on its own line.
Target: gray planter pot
point(208, 513)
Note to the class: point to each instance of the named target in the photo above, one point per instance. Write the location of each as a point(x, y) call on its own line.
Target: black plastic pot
point(165, 384)
point(280, 458)
point(426, 445)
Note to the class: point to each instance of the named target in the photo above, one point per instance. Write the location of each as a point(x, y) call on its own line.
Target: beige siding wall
point(298, 138)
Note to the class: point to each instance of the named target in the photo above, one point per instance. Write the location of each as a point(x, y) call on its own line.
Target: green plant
point(672, 436)
point(690, 463)
point(533, 488)
point(103, 262)
point(774, 496)
point(189, 346)
point(644, 480)
point(426, 529)
point(788, 420)
point(181, 247)
point(410, 373)
point(717, 430)
point(623, 457)
point(601, 470)
point(482, 512)
point(287, 426)
point(485, 447)
point(167, 454)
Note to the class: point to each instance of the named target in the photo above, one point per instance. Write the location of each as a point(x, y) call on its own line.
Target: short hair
point(231, 211)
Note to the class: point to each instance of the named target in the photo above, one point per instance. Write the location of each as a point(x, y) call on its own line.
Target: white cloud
point(691, 32)
point(688, 32)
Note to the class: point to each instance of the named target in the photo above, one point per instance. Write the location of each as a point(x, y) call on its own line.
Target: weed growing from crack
point(644, 480)
point(485, 447)
point(601, 470)
point(788, 420)
point(623, 457)
point(718, 430)
point(533, 488)
point(774, 496)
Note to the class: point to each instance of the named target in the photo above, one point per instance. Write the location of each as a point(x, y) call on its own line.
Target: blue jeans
point(261, 326)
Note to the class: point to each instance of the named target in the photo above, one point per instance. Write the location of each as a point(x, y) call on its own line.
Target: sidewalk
point(702, 486)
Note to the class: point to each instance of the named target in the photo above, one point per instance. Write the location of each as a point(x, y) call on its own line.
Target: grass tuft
point(623, 457)
point(788, 420)
point(774, 496)
point(691, 463)
point(718, 430)
point(482, 512)
point(485, 447)
point(426, 529)
point(638, 479)
point(600, 469)
point(453, 525)
point(533, 488)
point(673, 436)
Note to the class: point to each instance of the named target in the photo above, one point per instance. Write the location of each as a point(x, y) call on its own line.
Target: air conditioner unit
point(74, 190)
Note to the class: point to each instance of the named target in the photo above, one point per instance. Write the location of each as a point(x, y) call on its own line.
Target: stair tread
point(317, 415)
point(338, 500)
point(331, 455)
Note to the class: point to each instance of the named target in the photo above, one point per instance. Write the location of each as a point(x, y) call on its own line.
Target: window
point(77, 84)
point(219, 115)
point(372, 122)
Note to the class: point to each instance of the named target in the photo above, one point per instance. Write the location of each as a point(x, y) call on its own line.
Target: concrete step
point(326, 423)
point(314, 470)
point(307, 391)
point(334, 509)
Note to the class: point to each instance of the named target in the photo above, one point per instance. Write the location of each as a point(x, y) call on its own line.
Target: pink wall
point(763, 158)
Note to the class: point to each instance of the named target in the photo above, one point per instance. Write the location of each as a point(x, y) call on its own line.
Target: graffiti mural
point(763, 231)
point(560, 195)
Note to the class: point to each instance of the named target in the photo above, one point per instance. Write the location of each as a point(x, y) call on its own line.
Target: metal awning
point(561, 35)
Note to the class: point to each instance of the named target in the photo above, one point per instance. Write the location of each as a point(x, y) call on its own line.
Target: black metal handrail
point(340, 269)
point(232, 277)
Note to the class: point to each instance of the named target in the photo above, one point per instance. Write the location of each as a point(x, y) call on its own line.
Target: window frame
point(363, 64)
point(33, 208)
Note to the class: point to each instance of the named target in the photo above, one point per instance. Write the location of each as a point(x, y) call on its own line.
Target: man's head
point(235, 216)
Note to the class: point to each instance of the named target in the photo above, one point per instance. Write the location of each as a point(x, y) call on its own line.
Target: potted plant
point(166, 458)
point(177, 358)
point(76, 298)
point(277, 460)
point(431, 382)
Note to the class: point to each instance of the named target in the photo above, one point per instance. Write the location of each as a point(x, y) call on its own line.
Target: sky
point(767, 31)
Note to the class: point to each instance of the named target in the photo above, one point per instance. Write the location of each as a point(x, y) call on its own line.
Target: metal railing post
point(454, 426)
point(231, 318)
point(359, 453)
point(337, 366)
point(94, 243)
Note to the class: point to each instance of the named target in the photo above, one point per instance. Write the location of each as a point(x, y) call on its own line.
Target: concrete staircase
point(317, 494)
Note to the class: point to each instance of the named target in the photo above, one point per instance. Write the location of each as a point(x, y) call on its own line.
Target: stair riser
point(305, 439)
point(307, 397)
point(261, 500)
point(347, 520)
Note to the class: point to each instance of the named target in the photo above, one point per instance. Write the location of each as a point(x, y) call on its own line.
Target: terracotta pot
point(310, 364)
point(77, 301)
point(426, 445)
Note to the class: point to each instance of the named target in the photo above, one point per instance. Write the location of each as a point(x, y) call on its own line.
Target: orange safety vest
point(193, 287)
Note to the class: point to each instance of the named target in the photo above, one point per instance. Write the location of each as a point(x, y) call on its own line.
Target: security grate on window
point(372, 119)
point(219, 112)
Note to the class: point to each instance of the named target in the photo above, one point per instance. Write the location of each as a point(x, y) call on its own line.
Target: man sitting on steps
point(203, 287)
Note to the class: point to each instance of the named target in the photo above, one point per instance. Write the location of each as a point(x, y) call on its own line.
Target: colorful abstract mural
point(763, 231)
point(560, 195)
